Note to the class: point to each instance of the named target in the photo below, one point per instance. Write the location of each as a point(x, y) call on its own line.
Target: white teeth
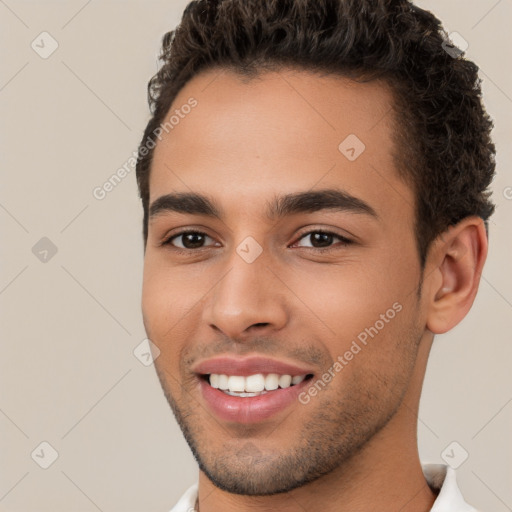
point(223, 381)
point(244, 395)
point(271, 381)
point(285, 381)
point(236, 383)
point(298, 379)
point(214, 380)
point(253, 385)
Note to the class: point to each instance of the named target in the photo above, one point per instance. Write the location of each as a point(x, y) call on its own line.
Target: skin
point(353, 447)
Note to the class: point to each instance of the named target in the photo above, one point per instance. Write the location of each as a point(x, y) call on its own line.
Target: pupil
point(324, 238)
point(196, 240)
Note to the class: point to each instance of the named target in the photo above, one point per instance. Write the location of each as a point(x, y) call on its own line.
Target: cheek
point(154, 304)
point(351, 297)
point(168, 293)
point(374, 351)
point(162, 309)
point(367, 312)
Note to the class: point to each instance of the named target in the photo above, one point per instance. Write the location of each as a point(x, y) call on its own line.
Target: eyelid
point(308, 231)
point(345, 240)
point(171, 236)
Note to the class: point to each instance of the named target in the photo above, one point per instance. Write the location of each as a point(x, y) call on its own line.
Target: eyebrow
point(281, 206)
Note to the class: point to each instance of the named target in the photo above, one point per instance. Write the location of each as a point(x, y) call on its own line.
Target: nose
point(246, 299)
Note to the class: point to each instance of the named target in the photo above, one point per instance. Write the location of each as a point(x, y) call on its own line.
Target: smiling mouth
point(253, 385)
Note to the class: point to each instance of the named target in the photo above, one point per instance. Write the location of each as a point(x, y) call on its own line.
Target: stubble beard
point(335, 432)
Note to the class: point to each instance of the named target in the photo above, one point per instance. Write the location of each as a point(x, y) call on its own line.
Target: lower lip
point(250, 409)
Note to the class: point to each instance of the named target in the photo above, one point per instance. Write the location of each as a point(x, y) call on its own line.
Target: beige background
point(69, 325)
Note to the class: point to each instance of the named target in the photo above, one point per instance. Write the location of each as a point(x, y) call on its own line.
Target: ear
point(453, 271)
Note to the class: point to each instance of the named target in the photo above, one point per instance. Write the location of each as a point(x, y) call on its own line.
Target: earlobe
point(456, 265)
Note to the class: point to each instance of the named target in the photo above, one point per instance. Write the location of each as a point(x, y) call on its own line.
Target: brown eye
point(323, 239)
point(188, 240)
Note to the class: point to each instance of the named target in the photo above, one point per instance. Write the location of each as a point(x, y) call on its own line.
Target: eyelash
point(179, 250)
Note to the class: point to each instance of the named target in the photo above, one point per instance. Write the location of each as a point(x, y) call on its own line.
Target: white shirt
point(440, 477)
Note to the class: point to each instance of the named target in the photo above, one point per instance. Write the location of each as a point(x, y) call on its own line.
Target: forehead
point(282, 131)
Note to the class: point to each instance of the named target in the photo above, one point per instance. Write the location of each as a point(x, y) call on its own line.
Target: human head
point(443, 145)
point(285, 305)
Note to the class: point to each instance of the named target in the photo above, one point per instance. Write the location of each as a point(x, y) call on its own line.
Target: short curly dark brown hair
point(443, 147)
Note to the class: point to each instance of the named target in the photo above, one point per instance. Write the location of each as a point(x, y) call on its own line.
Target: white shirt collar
point(441, 478)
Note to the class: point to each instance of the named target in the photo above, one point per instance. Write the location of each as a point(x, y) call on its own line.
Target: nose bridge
point(248, 293)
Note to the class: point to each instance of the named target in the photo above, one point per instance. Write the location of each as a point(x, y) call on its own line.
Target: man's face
point(252, 294)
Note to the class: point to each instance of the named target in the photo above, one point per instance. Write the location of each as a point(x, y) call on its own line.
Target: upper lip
point(229, 365)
